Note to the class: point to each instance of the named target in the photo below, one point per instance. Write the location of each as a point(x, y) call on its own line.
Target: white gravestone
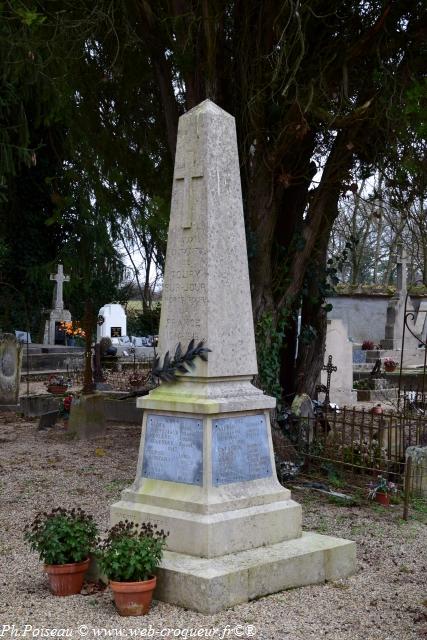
point(341, 349)
point(114, 322)
point(58, 313)
point(206, 469)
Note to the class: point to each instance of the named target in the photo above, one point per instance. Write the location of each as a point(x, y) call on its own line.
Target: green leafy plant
point(364, 384)
point(131, 552)
point(269, 340)
point(62, 536)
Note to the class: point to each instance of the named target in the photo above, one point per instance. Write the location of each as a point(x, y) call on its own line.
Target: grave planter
point(66, 579)
point(57, 389)
point(383, 498)
point(133, 598)
point(390, 367)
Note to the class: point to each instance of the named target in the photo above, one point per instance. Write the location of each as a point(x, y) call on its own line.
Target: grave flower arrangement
point(57, 385)
point(65, 408)
point(63, 538)
point(72, 329)
point(129, 556)
point(381, 490)
point(389, 364)
point(367, 345)
point(73, 332)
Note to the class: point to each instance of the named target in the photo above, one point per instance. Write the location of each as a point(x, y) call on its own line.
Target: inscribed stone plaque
point(240, 449)
point(173, 449)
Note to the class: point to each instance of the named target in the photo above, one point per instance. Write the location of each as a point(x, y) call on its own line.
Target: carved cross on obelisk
point(60, 278)
point(189, 170)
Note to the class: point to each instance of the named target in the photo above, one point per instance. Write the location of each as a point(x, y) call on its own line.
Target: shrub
point(62, 536)
point(131, 552)
point(367, 345)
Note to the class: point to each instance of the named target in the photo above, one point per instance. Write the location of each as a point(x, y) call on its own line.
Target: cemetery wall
point(365, 316)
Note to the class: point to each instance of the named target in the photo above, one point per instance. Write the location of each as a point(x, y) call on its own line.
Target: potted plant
point(129, 556)
point(389, 365)
point(63, 538)
point(381, 490)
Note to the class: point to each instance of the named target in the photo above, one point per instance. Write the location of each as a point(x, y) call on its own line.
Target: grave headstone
point(341, 349)
point(111, 322)
point(57, 314)
point(206, 470)
point(48, 420)
point(10, 369)
point(87, 417)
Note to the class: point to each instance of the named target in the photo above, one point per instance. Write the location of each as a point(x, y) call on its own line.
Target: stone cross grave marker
point(206, 470)
point(402, 272)
point(59, 278)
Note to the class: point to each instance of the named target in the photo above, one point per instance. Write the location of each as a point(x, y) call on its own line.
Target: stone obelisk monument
point(206, 469)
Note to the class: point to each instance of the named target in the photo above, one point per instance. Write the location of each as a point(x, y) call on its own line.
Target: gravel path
point(385, 600)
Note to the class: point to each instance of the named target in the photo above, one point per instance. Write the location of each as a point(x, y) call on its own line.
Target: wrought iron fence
point(357, 442)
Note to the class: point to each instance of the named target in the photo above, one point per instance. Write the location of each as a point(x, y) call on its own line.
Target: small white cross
point(60, 278)
point(188, 173)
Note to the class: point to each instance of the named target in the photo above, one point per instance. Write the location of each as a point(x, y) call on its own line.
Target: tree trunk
point(88, 326)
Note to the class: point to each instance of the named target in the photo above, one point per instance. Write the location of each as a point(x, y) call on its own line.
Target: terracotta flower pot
point(377, 410)
point(383, 498)
point(133, 598)
point(66, 579)
point(57, 389)
point(390, 367)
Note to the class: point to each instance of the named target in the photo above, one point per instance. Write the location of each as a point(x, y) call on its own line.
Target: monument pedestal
point(206, 474)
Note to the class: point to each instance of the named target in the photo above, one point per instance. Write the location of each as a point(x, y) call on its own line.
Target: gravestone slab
point(87, 417)
point(48, 420)
point(341, 349)
point(10, 369)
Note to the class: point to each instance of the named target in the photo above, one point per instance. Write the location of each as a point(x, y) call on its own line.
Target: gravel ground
point(385, 600)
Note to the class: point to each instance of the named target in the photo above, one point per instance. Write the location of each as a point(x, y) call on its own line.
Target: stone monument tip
point(207, 106)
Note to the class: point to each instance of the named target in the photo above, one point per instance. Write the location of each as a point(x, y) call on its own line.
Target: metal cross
point(188, 173)
point(329, 368)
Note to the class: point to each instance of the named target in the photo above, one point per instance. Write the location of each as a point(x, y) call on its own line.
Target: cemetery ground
point(385, 599)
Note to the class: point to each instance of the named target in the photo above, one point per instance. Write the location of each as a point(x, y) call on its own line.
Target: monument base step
point(211, 585)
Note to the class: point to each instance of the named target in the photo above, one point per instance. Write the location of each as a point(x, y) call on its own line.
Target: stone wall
point(365, 316)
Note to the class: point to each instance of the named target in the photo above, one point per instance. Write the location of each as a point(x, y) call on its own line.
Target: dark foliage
point(62, 536)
